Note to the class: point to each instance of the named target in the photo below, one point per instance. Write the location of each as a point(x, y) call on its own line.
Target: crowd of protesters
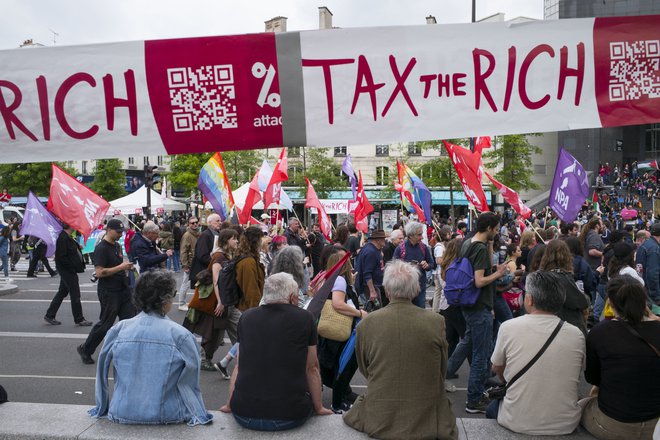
point(576, 294)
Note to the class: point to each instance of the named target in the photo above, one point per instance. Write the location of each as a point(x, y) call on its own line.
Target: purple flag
point(347, 168)
point(570, 187)
point(38, 222)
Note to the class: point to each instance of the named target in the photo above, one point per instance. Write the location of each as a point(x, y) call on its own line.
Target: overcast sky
point(92, 21)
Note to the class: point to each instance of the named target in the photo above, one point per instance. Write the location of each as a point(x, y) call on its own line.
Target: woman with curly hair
point(250, 274)
point(558, 258)
point(155, 363)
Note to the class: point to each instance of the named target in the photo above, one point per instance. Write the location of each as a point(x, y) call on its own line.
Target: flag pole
point(131, 222)
point(534, 229)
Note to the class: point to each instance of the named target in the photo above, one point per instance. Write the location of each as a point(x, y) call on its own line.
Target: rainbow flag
point(414, 186)
point(214, 184)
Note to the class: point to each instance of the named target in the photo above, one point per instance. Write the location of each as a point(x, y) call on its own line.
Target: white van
point(8, 212)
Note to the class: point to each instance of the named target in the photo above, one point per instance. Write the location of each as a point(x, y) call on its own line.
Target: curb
point(8, 289)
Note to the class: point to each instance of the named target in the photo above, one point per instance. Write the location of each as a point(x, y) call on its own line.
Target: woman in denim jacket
point(155, 362)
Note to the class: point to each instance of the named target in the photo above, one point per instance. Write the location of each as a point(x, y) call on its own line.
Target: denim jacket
point(156, 374)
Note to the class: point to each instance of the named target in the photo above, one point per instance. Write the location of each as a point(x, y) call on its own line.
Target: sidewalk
point(49, 422)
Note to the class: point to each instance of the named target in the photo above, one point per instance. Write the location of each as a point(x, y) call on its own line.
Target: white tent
point(128, 204)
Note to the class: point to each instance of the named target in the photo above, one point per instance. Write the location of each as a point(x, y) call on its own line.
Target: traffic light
point(150, 175)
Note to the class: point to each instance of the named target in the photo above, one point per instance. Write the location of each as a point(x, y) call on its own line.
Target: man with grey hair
point(402, 351)
point(282, 336)
point(414, 251)
point(548, 392)
point(204, 246)
point(144, 249)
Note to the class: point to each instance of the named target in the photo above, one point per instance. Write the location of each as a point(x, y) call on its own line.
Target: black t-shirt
point(625, 369)
point(352, 245)
point(478, 256)
point(109, 255)
point(272, 381)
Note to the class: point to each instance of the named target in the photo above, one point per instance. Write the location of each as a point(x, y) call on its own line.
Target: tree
point(321, 170)
point(241, 165)
point(23, 177)
point(514, 154)
point(184, 170)
point(109, 179)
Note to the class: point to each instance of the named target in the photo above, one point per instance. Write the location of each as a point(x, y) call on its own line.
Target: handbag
point(498, 392)
point(333, 325)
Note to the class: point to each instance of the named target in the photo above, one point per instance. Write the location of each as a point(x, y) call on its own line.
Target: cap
point(264, 216)
point(378, 233)
point(655, 229)
point(622, 250)
point(115, 224)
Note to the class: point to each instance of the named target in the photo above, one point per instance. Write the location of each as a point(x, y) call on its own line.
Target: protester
point(203, 247)
point(188, 242)
point(296, 236)
point(290, 260)
point(623, 262)
point(344, 302)
point(283, 337)
point(454, 320)
point(250, 274)
point(16, 242)
point(39, 255)
point(438, 251)
point(547, 394)
point(623, 364)
point(177, 234)
point(396, 236)
point(369, 268)
point(413, 250)
point(318, 243)
point(154, 362)
point(69, 263)
point(558, 259)
point(479, 318)
point(648, 263)
point(206, 315)
point(527, 243)
point(592, 243)
point(5, 244)
point(144, 249)
point(166, 243)
point(400, 350)
point(277, 244)
point(113, 291)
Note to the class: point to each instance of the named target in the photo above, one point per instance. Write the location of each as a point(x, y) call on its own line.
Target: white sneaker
point(183, 308)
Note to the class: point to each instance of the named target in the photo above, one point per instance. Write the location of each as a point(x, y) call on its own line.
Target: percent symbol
point(259, 70)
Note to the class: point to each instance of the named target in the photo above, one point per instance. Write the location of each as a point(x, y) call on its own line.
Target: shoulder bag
point(332, 324)
point(498, 392)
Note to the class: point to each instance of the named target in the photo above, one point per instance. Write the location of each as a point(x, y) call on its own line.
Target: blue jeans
point(268, 425)
point(599, 304)
point(420, 300)
point(5, 265)
point(493, 409)
point(502, 313)
point(174, 262)
point(478, 334)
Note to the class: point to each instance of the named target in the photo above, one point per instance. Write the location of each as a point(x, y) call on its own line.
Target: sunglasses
point(193, 223)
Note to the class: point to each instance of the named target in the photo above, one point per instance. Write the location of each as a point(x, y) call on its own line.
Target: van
point(9, 212)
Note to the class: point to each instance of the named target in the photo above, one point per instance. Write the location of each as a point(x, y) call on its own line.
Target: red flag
point(322, 285)
point(74, 203)
point(511, 198)
point(468, 167)
point(481, 142)
point(253, 196)
point(272, 193)
point(313, 201)
point(363, 208)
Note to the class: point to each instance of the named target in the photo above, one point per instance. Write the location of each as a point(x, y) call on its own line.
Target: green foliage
point(23, 177)
point(109, 179)
point(321, 170)
point(241, 165)
point(184, 170)
point(514, 154)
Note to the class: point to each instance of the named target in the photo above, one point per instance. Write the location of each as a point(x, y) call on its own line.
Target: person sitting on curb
point(155, 363)
point(283, 336)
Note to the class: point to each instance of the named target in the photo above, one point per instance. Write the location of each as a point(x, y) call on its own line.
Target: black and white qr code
point(634, 70)
point(202, 98)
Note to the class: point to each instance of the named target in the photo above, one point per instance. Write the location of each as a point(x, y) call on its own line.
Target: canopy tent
point(138, 199)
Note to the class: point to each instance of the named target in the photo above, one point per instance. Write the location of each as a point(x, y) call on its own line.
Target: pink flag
point(313, 202)
point(511, 198)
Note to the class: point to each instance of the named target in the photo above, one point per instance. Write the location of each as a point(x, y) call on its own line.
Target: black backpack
point(230, 293)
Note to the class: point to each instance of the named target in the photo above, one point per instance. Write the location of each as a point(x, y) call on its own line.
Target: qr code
point(202, 98)
point(634, 70)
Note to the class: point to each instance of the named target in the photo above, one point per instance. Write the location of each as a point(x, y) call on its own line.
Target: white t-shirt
point(544, 400)
point(438, 252)
point(627, 270)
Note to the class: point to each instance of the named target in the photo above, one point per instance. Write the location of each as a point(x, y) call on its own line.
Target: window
point(340, 151)
point(83, 167)
point(414, 149)
point(652, 138)
point(160, 161)
point(540, 169)
point(131, 161)
point(382, 150)
point(294, 151)
point(382, 175)
point(146, 160)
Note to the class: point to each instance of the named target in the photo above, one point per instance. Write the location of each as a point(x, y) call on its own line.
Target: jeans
point(68, 286)
point(493, 409)
point(176, 260)
point(478, 335)
point(39, 254)
point(114, 304)
point(502, 313)
point(420, 300)
point(599, 304)
point(268, 425)
point(5, 265)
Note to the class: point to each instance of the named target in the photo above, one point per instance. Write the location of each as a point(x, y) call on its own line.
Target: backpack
point(230, 293)
point(460, 289)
